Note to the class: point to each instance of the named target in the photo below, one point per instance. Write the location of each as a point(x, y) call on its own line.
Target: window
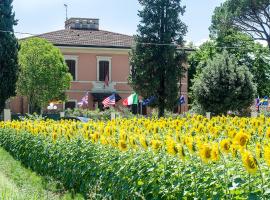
point(72, 66)
point(70, 105)
point(104, 68)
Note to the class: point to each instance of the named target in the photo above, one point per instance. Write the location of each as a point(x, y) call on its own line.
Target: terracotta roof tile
point(95, 38)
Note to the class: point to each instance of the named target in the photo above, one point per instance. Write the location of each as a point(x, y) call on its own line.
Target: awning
point(101, 96)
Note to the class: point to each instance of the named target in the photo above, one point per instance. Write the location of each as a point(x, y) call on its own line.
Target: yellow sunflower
point(267, 154)
point(249, 162)
point(144, 142)
point(205, 153)
point(215, 152)
point(171, 147)
point(181, 151)
point(241, 138)
point(123, 145)
point(267, 135)
point(156, 145)
point(258, 150)
point(225, 145)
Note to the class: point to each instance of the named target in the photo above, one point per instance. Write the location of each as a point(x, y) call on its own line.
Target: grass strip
point(19, 183)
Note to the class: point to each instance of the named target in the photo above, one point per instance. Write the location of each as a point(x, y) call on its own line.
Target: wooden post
point(112, 115)
point(62, 114)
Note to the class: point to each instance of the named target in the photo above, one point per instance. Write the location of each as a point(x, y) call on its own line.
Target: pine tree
point(8, 53)
point(156, 61)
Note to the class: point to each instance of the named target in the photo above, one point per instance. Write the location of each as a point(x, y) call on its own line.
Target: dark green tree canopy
point(43, 74)
point(249, 16)
point(8, 53)
point(155, 59)
point(224, 85)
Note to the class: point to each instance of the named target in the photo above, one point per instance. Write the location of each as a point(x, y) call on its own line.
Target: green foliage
point(246, 52)
point(224, 85)
point(157, 68)
point(43, 75)
point(198, 60)
point(247, 16)
point(123, 112)
point(8, 53)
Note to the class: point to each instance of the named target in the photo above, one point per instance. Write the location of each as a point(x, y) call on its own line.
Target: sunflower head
point(225, 145)
point(122, 145)
point(205, 152)
point(144, 142)
point(156, 145)
point(267, 133)
point(54, 136)
point(132, 142)
point(181, 151)
point(249, 162)
point(258, 150)
point(103, 140)
point(215, 152)
point(267, 154)
point(171, 147)
point(241, 138)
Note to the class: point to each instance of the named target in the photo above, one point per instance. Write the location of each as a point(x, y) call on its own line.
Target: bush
point(224, 86)
point(99, 115)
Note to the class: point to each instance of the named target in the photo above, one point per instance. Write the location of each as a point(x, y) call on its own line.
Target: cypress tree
point(155, 60)
point(8, 52)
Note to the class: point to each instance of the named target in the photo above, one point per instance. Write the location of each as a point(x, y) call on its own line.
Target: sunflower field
point(141, 158)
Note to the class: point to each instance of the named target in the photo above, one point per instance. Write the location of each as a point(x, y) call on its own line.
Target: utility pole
point(66, 11)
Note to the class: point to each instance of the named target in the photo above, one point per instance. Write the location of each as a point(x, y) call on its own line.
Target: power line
point(143, 43)
point(22, 33)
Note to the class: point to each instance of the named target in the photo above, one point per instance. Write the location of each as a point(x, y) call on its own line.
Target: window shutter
point(72, 68)
point(103, 70)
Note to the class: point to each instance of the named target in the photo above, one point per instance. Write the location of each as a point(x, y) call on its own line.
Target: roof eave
point(93, 46)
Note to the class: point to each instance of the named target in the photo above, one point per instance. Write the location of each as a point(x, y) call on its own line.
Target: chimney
point(82, 24)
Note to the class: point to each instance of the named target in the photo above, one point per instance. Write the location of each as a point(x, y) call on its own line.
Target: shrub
point(224, 86)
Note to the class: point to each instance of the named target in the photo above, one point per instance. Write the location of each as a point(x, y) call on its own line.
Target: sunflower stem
point(249, 184)
point(226, 177)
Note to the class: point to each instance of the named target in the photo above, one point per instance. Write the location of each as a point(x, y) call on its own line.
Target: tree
point(224, 85)
point(198, 60)
point(155, 59)
point(8, 53)
point(43, 74)
point(245, 50)
point(249, 16)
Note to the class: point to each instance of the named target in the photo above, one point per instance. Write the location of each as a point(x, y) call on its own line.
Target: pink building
point(98, 61)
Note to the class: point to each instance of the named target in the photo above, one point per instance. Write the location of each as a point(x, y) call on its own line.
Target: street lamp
point(52, 107)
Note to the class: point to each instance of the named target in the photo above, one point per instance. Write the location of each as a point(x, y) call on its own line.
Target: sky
point(40, 16)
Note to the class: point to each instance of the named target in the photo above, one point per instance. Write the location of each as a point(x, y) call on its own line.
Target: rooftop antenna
point(66, 11)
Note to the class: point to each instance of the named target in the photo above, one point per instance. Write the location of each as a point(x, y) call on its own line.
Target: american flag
point(109, 101)
point(84, 100)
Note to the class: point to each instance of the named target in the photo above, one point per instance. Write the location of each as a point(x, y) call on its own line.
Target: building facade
point(98, 61)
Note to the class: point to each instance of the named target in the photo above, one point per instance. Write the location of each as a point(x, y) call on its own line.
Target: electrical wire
point(143, 43)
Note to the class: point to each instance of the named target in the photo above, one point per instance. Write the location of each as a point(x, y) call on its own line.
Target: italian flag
point(132, 99)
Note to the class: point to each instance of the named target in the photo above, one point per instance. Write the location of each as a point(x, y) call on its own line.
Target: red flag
point(106, 81)
point(125, 102)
